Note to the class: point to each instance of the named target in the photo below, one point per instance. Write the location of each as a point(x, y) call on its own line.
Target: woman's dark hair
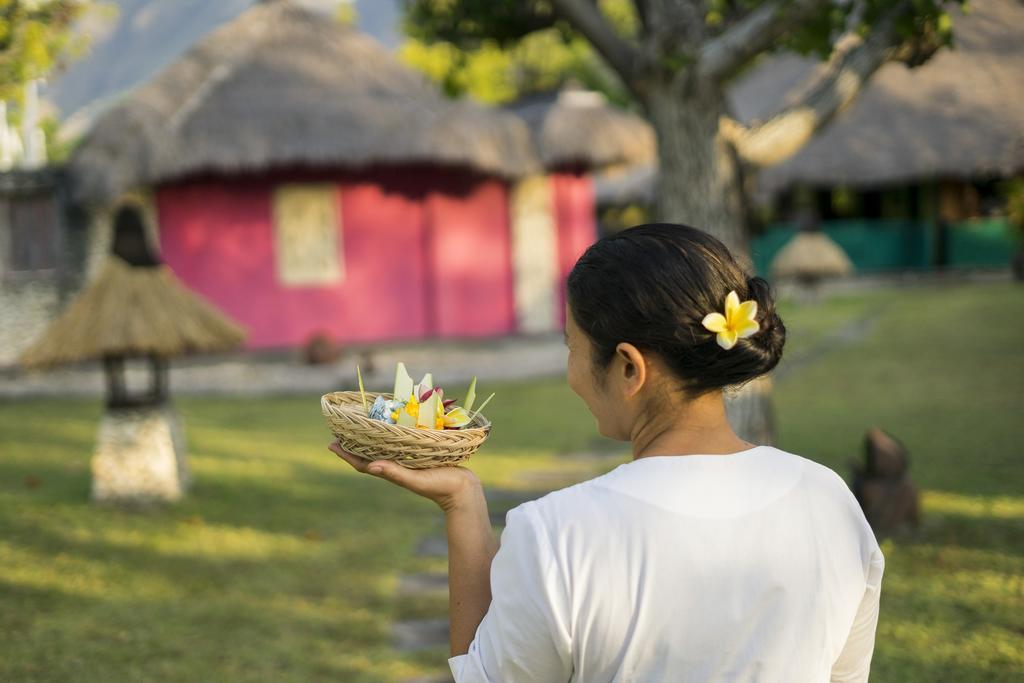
point(652, 285)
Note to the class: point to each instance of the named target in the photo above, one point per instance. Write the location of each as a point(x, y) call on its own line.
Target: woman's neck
point(692, 427)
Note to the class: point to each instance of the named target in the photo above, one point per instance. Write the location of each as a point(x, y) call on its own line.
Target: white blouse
point(752, 566)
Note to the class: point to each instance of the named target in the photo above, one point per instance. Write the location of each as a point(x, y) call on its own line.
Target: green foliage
point(496, 52)
point(470, 22)
point(486, 73)
point(347, 13)
point(719, 14)
point(494, 74)
point(34, 39)
point(482, 37)
point(928, 26)
point(1013, 193)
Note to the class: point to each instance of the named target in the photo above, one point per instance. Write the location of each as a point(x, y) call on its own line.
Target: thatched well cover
point(130, 310)
point(283, 86)
point(576, 127)
point(811, 255)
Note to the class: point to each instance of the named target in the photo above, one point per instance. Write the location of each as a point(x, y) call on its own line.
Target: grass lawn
point(943, 370)
point(282, 564)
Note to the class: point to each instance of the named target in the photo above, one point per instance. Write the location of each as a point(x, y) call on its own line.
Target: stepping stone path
point(850, 334)
point(419, 634)
point(424, 583)
point(432, 546)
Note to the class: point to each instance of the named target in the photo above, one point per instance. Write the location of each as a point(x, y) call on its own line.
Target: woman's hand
point(449, 487)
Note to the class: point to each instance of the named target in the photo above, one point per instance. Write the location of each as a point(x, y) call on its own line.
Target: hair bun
point(771, 338)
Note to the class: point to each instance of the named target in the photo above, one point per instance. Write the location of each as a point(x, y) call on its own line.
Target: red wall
point(470, 257)
point(426, 253)
point(576, 224)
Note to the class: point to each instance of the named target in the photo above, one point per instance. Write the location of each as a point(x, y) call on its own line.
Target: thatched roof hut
point(281, 86)
point(133, 311)
point(573, 127)
point(959, 116)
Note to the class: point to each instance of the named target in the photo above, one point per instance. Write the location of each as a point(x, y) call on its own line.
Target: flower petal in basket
point(412, 447)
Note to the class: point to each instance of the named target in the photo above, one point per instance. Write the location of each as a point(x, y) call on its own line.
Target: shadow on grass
point(898, 666)
point(989, 534)
point(118, 638)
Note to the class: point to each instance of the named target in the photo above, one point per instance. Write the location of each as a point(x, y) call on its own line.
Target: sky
point(143, 36)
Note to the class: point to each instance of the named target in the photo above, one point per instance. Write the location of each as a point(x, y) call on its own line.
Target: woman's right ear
point(633, 368)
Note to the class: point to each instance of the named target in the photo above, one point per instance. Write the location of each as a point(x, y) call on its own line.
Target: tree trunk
point(700, 184)
point(699, 175)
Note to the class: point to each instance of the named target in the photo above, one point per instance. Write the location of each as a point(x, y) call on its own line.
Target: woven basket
point(413, 447)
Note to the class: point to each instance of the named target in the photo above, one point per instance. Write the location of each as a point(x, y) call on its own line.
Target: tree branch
point(759, 30)
point(588, 20)
point(643, 13)
point(838, 83)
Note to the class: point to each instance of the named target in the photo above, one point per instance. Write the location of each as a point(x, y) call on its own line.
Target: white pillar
point(33, 138)
point(140, 457)
point(535, 255)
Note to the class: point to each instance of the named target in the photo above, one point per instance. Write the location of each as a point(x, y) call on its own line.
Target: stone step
point(510, 498)
point(423, 583)
point(419, 634)
point(440, 678)
point(499, 502)
point(432, 546)
point(547, 480)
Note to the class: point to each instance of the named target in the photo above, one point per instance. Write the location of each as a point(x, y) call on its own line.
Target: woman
point(705, 558)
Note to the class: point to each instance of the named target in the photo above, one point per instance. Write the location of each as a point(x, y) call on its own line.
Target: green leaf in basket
point(482, 406)
point(470, 396)
point(362, 392)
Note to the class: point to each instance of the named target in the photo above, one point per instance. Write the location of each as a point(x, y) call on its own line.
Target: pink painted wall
point(425, 253)
point(576, 224)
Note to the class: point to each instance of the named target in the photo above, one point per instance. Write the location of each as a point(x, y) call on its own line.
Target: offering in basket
point(414, 425)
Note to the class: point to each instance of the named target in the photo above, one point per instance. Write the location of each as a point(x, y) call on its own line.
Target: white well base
point(140, 457)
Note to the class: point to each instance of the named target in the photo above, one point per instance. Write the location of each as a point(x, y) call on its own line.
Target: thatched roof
point(575, 127)
point(283, 86)
point(130, 310)
point(960, 115)
point(811, 255)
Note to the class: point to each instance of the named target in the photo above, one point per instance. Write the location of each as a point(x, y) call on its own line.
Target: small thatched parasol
point(577, 127)
point(811, 256)
point(134, 307)
point(130, 310)
point(281, 86)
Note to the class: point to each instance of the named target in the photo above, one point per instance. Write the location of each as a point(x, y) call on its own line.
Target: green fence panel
point(871, 245)
point(886, 245)
point(763, 248)
point(881, 245)
point(981, 242)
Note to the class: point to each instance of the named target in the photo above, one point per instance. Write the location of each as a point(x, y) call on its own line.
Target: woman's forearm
point(471, 547)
